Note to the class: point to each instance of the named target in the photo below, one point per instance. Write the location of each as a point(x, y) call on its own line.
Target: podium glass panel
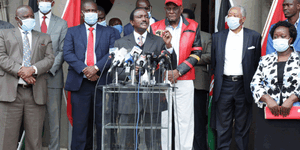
point(133, 116)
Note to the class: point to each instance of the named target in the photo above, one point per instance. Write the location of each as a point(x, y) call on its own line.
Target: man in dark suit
point(149, 43)
point(5, 25)
point(102, 21)
point(86, 49)
point(56, 27)
point(235, 55)
point(128, 29)
point(25, 57)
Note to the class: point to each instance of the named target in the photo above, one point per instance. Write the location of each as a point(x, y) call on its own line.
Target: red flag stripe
point(275, 14)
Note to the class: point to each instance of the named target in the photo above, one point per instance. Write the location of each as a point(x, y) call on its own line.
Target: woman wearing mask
point(276, 85)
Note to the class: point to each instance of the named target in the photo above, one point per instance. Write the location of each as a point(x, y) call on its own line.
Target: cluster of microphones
point(147, 65)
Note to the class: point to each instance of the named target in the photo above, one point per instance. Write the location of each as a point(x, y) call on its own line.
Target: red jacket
point(190, 45)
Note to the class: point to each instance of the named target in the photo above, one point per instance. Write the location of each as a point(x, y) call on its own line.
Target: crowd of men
point(31, 75)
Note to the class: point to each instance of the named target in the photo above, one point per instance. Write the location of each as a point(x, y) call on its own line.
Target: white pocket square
point(251, 47)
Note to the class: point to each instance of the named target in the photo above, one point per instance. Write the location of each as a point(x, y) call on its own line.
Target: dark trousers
point(232, 104)
point(200, 100)
point(82, 103)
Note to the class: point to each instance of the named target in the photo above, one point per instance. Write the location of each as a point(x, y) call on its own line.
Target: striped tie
point(26, 51)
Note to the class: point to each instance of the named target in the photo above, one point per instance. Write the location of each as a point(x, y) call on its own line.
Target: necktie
point(44, 26)
point(26, 51)
point(90, 49)
point(140, 41)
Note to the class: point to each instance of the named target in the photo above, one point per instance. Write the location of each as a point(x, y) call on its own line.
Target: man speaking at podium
point(148, 43)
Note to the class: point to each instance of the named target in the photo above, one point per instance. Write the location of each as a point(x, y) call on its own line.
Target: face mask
point(233, 22)
point(119, 27)
point(45, 7)
point(281, 45)
point(28, 24)
point(102, 23)
point(90, 18)
point(149, 14)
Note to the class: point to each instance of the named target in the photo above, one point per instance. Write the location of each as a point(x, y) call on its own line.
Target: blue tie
point(26, 51)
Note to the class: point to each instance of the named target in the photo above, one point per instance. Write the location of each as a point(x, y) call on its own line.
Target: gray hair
point(243, 10)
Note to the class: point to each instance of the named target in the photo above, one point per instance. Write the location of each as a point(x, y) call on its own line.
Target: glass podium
point(136, 117)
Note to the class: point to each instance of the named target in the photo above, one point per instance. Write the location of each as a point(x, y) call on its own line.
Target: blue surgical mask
point(102, 23)
point(149, 14)
point(281, 45)
point(119, 27)
point(45, 7)
point(233, 22)
point(28, 24)
point(91, 18)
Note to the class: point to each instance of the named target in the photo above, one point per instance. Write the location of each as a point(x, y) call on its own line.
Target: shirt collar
point(87, 26)
point(137, 35)
point(179, 24)
point(297, 22)
point(48, 15)
point(21, 30)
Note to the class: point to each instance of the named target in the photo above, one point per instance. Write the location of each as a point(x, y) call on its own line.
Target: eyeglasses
point(169, 9)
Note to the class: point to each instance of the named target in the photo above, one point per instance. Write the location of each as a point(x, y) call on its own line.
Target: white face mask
point(281, 45)
point(45, 6)
point(233, 22)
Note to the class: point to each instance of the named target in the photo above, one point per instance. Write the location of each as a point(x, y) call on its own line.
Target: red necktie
point(90, 49)
point(44, 26)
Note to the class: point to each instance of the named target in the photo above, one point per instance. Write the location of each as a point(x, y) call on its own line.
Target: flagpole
point(268, 21)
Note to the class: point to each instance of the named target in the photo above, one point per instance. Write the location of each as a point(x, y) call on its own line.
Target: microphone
point(165, 55)
point(132, 55)
point(141, 61)
point(112, 52)
point(119, 58)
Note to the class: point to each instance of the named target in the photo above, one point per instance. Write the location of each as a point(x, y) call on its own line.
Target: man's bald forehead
point(22, 9)
point(146, 1)
point(88, 2)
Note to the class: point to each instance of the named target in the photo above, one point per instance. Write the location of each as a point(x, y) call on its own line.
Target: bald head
point(138, 2)
point(144, 4)
point(88, 3)
point(23, 9)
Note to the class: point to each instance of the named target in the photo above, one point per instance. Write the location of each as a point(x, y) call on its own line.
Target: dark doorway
point(106, 4)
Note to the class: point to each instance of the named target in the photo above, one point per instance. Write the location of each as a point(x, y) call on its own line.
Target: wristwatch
point(96, 68)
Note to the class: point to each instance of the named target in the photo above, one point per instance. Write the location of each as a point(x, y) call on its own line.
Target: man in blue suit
point(291, 12)
point(86, 49)
point(128, 29)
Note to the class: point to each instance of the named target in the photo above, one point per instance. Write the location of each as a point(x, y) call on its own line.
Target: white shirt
point(176, 33)
point(47, 20)
point(137, 35)
point(29, 35)
point(87, 40)
point(151, 21)
point(234, 53)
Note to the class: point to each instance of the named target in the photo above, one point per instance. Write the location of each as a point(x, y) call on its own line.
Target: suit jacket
point(128, 28)
point(154, 44)
point(74, 53)
point(57, 30)
point(202, 79)
point(270, 49)
point(11, 56)
point(5, 25)
point(249, 61)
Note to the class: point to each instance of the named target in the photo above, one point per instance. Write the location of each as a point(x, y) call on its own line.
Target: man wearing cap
point(186, 43)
